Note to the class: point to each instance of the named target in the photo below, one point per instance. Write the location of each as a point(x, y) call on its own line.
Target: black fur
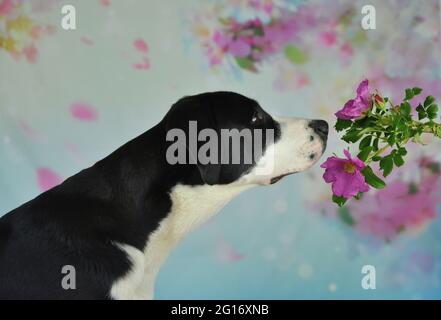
point(121, 198)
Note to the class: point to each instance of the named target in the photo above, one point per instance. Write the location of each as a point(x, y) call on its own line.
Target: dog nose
point(320, 127)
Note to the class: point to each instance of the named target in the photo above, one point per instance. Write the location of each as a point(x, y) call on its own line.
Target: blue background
point(270, 242)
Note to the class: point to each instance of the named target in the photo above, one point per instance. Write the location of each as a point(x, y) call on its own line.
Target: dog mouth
point(278, 178)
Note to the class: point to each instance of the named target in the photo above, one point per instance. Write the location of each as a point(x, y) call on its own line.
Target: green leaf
point(406, 133)
point(413, 188)
point(386, 164)
point(428, 101)
point(405, 108)
point(345, 216)
point(432, 111)
point(402, 151)
point(342, 124)
point(258, 31)
point(365, 142)
point(340, 201)
point(351, 136)
point(420, 108)
point(246, 63)
point(422, 115)
point(359, 196)
point(375, 144)
point(416, 91)
point(376, 158)
point(391, 140)
point(398, 160)
point(295, 55)
point(409, 94)
point(364, 122)
point(400, 124)
point(435, 168)
point(364, 154)
point(372, 179)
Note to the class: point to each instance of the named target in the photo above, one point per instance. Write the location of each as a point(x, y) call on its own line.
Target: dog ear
point(199, 109)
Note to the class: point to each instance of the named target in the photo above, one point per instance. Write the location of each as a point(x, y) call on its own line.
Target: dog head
point(225, 137)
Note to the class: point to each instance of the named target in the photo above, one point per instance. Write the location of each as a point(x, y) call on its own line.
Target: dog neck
point(191, 207)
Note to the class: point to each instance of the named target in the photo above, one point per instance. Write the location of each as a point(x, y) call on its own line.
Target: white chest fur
point(191, 206)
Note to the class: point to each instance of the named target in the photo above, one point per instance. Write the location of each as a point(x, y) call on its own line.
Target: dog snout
point(320, 127)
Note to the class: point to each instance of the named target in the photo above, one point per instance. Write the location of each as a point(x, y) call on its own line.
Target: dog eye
point(257, 119)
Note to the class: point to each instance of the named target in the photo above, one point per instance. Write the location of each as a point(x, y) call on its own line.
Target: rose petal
point(363, 88)
point(47, 179)
point(141, 45)
point(347, 154)
point(240, 48)
point(83, 111)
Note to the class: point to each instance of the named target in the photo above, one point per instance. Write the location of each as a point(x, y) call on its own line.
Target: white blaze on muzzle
point(298, 148)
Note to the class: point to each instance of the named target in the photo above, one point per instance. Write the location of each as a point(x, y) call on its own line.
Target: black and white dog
point(116, 222)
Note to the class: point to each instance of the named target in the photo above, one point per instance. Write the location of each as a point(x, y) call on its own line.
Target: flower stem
point(426, 129)
point(431, 130)
point(377, 153)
